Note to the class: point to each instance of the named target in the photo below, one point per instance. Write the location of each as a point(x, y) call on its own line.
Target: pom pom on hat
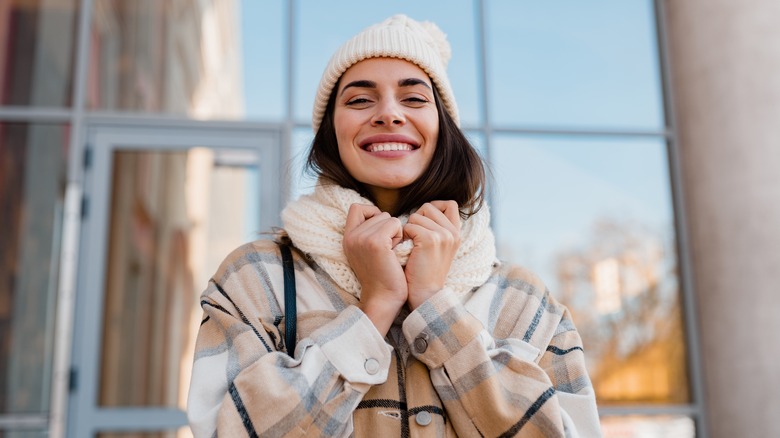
point(399, 36)
point(438, 39)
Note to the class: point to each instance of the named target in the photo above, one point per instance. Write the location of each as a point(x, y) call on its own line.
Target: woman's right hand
point(369, 238)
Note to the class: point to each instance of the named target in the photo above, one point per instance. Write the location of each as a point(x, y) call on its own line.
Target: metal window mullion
point(582, 132)
point(289, 122)
point(693, 351)
point(559, 131)
point(146, 120)
point(70, 234)
point(486, 127)
point(138, 419)
point(684, 410)
point(483, 73)
point(16, 422)
point(34, 114)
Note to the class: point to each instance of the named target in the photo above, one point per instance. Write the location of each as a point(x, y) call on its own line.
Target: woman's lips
point(388, 142)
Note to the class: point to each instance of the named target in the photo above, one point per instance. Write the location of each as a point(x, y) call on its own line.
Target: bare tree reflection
point(622, 289)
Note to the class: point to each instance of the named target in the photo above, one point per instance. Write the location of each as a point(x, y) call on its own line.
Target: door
point(162, 208)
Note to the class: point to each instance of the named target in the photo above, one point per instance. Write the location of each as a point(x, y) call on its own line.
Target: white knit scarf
point(315, 224)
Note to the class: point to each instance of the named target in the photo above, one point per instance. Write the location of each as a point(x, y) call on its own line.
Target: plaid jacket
point(506, 360)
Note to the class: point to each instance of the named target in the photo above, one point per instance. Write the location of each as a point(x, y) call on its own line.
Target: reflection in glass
point(174, 216)
point(206, 60)
point(37, 49)
point(635, 426)
point(315, 43)
point(33, 161)
point(573, 64)
point(593, 218)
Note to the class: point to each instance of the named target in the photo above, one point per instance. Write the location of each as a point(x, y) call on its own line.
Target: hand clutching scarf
point(315, 224)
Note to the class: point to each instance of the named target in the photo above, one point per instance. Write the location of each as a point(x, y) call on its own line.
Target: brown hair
point(456, 171)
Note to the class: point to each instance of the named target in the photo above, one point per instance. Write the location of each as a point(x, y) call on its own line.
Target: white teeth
point(381, 147)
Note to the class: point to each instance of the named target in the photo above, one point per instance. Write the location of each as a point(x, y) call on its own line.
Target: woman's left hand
point(435, 231)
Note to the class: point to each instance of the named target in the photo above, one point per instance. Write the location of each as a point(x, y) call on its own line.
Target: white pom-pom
point(438, 40)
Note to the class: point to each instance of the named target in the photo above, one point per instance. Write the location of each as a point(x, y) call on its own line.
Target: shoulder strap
point(290, 311)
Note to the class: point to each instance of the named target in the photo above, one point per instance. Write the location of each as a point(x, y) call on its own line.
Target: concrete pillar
point(725, 63)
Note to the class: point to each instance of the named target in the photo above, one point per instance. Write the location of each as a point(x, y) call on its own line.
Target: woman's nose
point(388, 113)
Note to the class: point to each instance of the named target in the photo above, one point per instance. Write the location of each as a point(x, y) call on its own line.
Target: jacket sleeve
point(496, 387)
point(243, 386)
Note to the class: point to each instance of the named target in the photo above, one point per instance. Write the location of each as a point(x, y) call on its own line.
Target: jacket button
point(423, 418)
point(371, 366)
point(421, 344)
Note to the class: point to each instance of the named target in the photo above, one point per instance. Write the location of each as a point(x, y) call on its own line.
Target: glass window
point(594, 219)
point(301, 182)
point(37, 52)
point(208, 60)
point(573, 64)
point(33, 161)
point(316, 41)
point(164, 244)
point(477, 140)
point(264, 58)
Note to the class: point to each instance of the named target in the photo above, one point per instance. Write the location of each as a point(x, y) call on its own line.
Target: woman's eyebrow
point(360, 84)
point(363, 83)
point(409, 82)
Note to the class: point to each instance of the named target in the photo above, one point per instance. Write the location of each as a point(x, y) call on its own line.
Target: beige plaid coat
point(504, 360)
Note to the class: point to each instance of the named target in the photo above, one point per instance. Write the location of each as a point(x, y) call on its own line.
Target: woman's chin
point(391, 184)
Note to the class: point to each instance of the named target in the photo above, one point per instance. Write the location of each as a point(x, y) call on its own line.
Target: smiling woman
point(453, 169)
point(407, 324)
point(386, 126)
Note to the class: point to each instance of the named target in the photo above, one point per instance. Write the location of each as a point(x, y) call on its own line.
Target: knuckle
point(373, 244)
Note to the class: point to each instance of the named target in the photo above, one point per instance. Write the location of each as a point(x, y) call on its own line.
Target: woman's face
point(386, 125)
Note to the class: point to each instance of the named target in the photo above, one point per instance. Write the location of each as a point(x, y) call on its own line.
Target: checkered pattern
point(505, 360)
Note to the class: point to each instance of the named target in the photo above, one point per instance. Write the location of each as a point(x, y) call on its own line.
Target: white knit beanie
point(421, 43)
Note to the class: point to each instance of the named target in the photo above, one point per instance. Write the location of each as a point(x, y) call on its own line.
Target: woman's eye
point(416, 100)
point(358, 101)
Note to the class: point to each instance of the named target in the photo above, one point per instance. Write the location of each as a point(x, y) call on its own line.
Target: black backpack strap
point(290, 310)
